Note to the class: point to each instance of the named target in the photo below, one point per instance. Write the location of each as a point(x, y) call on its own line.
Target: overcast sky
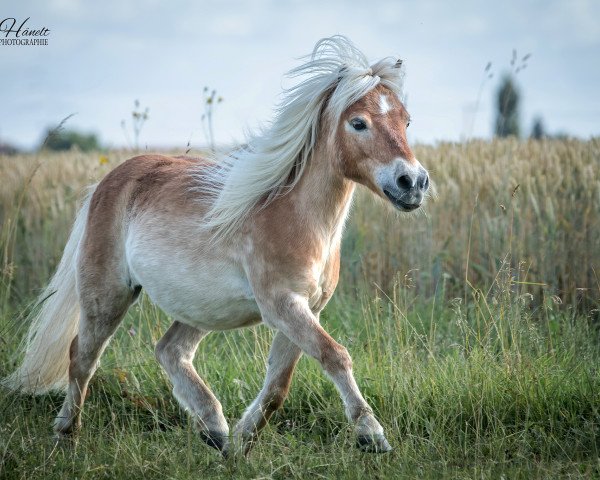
point(101, 56)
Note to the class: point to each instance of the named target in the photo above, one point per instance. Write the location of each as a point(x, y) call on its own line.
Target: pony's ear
point(398, 63)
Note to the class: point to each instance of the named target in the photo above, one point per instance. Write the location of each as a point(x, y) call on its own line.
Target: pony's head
point(371, 137)
point(369, 124)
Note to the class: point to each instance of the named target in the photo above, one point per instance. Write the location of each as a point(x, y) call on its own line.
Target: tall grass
point(532, 205)
point(473, 329)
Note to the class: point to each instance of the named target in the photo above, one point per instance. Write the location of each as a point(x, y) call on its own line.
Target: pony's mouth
point(399, 204)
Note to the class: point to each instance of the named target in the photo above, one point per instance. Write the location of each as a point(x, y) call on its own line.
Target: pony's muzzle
point(408, 187)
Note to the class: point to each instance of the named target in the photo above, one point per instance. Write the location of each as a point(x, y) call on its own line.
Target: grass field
point(474, 327)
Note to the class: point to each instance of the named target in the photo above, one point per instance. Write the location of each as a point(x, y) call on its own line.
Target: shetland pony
point(232, 241)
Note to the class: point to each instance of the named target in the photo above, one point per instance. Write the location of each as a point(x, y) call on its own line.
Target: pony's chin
point(399, 204)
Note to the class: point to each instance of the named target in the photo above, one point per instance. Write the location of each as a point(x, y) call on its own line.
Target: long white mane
point(272, 161)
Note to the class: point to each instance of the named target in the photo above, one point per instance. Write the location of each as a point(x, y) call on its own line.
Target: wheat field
point(473, 323)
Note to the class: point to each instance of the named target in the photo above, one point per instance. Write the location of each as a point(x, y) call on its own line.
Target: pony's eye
point(407, 124)
point(358, 124)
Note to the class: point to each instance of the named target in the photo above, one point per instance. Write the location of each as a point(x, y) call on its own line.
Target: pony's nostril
point(405, 182)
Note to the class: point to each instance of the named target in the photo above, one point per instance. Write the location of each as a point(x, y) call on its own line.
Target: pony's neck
point(323, 194)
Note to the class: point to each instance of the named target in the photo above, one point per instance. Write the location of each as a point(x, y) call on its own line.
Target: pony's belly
point(209, 296)
point(218, 313)
point(221, 309)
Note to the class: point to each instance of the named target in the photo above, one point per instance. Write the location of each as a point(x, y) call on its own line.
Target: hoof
point(215, 440)
point(240, 445)
point(65, 440)
point(373, 444)
point(66, 428)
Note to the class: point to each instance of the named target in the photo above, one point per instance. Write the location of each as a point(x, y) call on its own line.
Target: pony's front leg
point(291, 315)
point(283, 357)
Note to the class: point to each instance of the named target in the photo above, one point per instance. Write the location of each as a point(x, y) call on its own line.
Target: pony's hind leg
point(283, 357)
point(101, 314)
point(175, 352)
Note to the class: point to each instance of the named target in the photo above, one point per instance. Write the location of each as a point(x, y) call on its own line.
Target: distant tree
point(67, 139)
point(7, 149)
point(507, 102)
point(538, 131)
point(561, 135)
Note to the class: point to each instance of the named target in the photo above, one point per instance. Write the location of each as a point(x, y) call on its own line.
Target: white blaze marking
point(384, 106)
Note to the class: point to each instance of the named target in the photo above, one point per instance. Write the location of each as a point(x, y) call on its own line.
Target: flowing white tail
point(54, 324)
